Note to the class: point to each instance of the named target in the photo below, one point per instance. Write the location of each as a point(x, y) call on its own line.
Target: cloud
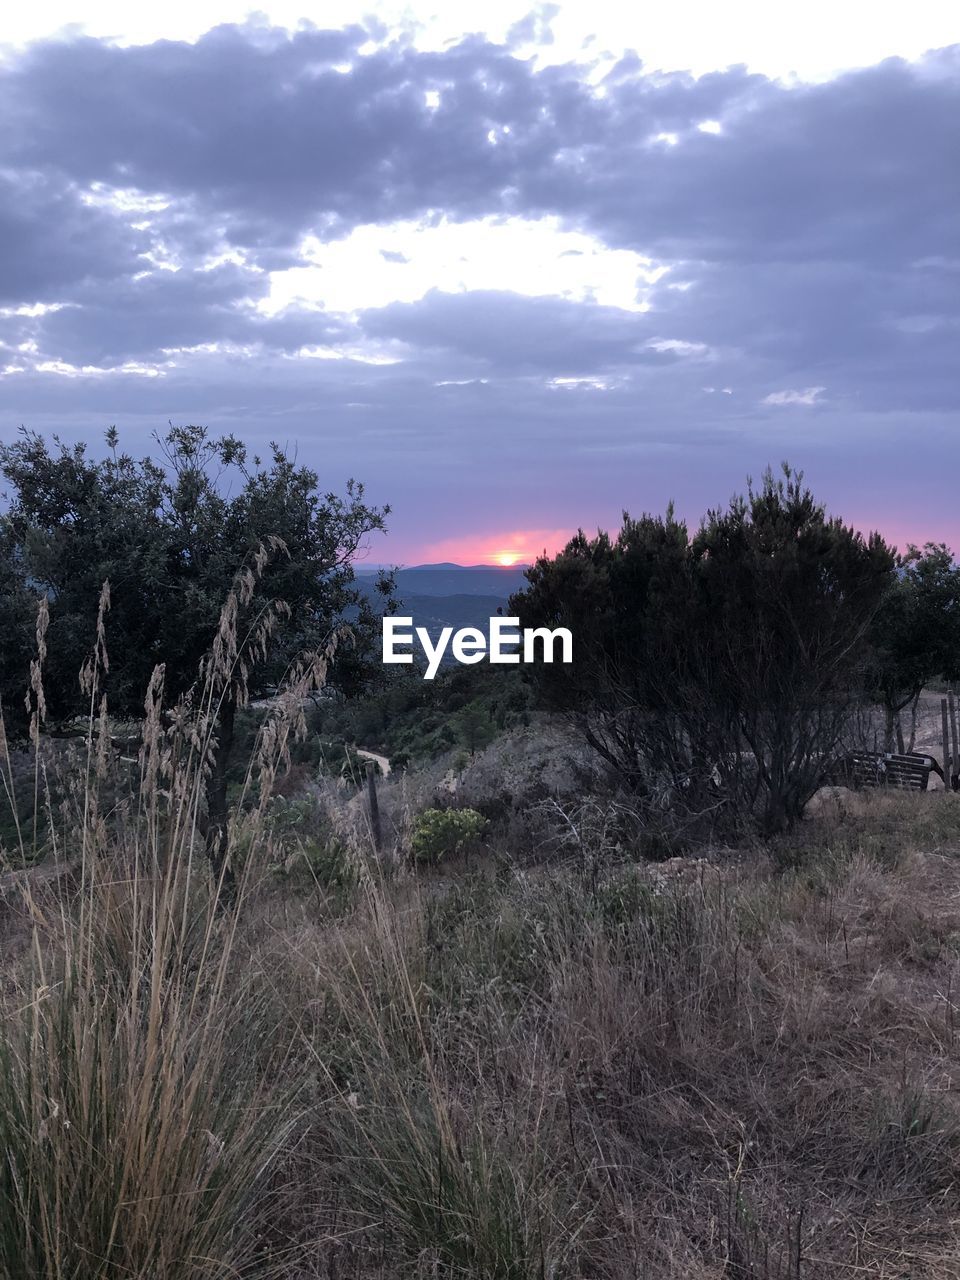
point(52, 243)
point(247, 228)
point(513, 335)
point(808, 396)
point(534, 257)
point(678, 346)
point(269, 133)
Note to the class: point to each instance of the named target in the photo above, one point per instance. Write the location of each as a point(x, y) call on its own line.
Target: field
point(539, 1058)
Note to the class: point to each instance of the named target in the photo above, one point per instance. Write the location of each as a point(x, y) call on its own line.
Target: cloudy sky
point(515, 276)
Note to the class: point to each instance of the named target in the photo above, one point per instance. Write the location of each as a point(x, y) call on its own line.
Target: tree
point(627, 602)
point(916, 633)
point(475, 726)
point(170, 538)
point(786, 596)
point(719, 669)
point(18, 616)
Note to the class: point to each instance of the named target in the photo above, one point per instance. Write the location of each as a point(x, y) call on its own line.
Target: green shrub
point(438, 833)
point(626, 899)
point(471, 1203)
point(331, 866)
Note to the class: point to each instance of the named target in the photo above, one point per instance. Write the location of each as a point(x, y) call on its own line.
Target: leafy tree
point(475, 727)
point(916, 633)
point(627, 602)
point(170, 534)
point(785, 599)
point(722, 668)
point(18, 616)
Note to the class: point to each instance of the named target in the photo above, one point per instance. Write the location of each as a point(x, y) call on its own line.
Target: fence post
point(374, 805)
point(946, 744)
point(955, 754)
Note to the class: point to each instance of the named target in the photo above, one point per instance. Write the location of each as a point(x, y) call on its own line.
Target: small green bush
point(330, 864)
point(438, 833)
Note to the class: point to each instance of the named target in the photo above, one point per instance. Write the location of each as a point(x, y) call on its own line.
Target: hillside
point(447, 595)
point(436, 611)
point(457, 580)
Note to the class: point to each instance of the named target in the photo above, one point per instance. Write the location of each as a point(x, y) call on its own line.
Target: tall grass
point(134, 1123)
point(694, 1073)
point(139, 1109)
point(455, 1179)
point(682, 1072)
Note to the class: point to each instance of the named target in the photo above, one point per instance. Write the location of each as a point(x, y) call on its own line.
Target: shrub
point(437, 833)
point(469, 1202)
point(716, 674)
point(135, 1125)
point(332, 865)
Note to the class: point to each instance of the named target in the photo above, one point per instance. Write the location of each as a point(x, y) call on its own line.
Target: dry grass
point(746, 1072)
point(738, 1069)
point(139, 1114)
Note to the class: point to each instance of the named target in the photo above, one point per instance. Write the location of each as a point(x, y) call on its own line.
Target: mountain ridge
point(438, 580)
point(444, 565)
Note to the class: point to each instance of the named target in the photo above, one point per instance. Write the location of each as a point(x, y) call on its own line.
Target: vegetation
point(441, 833)
point(689, 1071)
point(165, 545)
point(719, 670)
point(410, 719)
point(136, 1121)
point(916, 634)
point(568, 1054)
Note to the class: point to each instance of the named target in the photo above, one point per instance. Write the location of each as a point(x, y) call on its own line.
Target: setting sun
point(498, 548)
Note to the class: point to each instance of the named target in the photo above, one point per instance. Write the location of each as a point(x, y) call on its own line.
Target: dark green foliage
point(628, 603)
point(170, 537)
point(18, 616)
point(475, 726)
point(916, 633)
point(785, 596)
point(411, 719)
point(621, 598)
point(175, 538)
point(715, 672)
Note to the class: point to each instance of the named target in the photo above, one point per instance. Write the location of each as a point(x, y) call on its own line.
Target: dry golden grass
point(738, 1069)
point(139, 1109)
point(750, 1072)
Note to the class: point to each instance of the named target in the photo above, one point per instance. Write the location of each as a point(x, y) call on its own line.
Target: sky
point(516, 269)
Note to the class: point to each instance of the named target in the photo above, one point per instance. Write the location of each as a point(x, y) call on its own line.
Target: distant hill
point(457, 580)
point(435, 612)
point(451, 595)
point(466, 568)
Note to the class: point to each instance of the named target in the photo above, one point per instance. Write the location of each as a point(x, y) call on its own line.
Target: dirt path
point(382, 761)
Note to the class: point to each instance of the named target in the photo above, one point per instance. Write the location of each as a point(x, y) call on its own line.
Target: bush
point(468, 1201)
point(716, 674)
point(437, 833)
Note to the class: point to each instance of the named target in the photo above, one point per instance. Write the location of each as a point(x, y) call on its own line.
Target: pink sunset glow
point(523, 546)
point(515, 546)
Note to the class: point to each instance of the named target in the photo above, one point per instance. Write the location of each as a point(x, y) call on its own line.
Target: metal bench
point(910, 770)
